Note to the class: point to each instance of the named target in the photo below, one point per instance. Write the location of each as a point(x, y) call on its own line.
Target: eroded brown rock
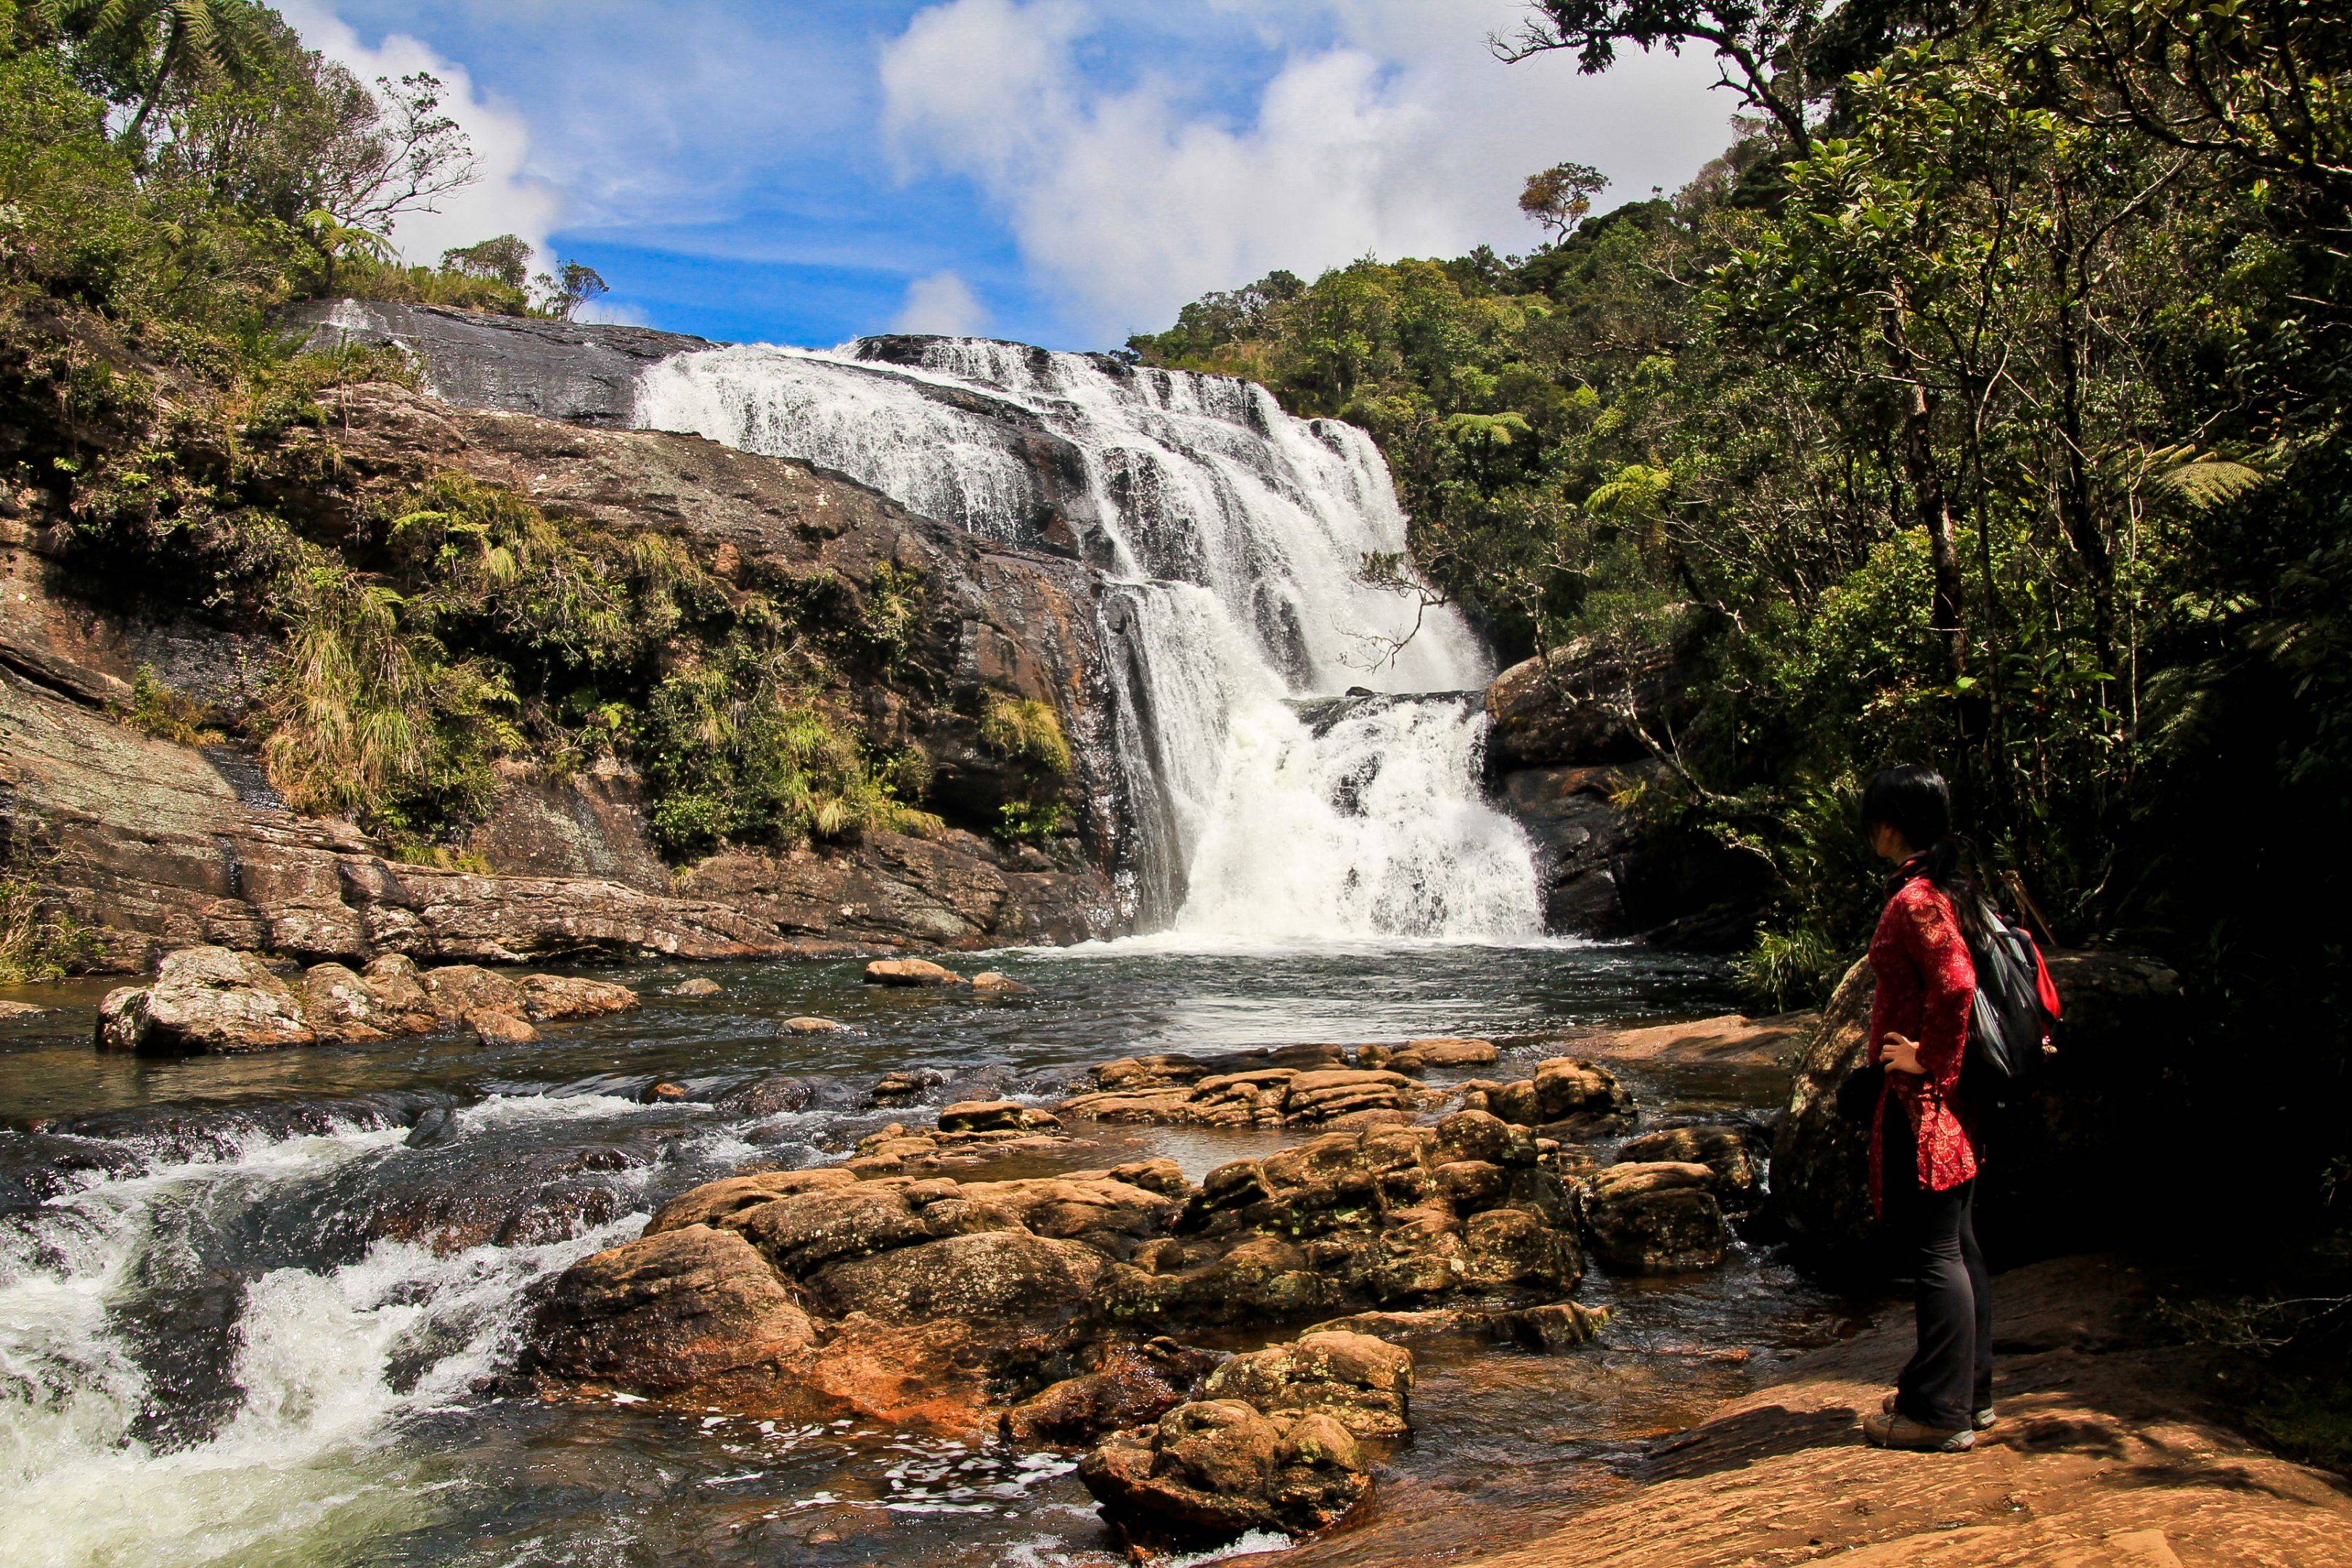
point(1362, 1382)
point(1569, 1097)
point(1261, 1097)
point(911, 972)
point(215, 999)
point(1213, 1469)
point(1656, 1217)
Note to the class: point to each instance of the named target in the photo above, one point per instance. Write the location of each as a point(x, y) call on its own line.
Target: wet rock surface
point(1656, 1217)
point(1568, 1098)
point(213, 999)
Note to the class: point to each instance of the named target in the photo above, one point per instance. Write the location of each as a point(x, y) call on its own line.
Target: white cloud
point(942, 302)
point(505, 199)
point(1389, 129)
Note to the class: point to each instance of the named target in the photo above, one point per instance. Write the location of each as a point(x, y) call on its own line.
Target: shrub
point(167, 714)
point(1026, 730)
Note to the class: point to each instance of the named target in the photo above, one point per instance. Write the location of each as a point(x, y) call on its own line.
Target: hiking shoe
point(1889, 1430)
point(1982, 1420)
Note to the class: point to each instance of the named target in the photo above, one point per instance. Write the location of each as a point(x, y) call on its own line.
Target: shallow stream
point(249, 1306)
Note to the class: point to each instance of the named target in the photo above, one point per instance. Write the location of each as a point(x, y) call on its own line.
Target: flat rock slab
point(1732, 1039)
point(2102, 1459)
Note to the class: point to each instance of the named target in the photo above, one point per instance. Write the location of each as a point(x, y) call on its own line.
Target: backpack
point(2009, 1023)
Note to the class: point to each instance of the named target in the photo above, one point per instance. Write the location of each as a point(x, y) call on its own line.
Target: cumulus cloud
point(942, 302)
point(1388, 128)
point(505, 199)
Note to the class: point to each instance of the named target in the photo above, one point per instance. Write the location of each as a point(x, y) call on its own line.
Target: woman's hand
point(1901, 1053)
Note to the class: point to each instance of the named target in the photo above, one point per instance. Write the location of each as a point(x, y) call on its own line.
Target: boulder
point(555, 998)
point(1571, 1098)
point(1554, 1327)
point(777, 1094)
point(458, 990)
point(1418, 1056)
point(991, 982)
point(1131, 1385)
point(1659, 1217)
point(812, 1026)
point(700, 985)
point(1728, 1040)
point(1362, 1382)
point(994, 1116)
point(2068, 1154)
point(1211, 1470)
point(398, 988)
point(911, 972)
point(1265, 1095)
point(1729, 1152)
point(897, 1085)
point(206, 999)
point(717, 1203)
point(691, 1307)
point(11, 1009)
point(494, 1027)
point(897, 1148)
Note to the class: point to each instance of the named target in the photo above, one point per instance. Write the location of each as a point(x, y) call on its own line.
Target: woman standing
point(1923, 1154)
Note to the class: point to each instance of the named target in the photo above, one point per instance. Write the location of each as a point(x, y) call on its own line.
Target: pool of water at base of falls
point(246, 1318)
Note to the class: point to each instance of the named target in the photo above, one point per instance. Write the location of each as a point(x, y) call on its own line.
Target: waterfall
point(1233, 535)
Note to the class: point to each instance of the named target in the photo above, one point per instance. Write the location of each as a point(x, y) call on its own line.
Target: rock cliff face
point(156, 845)
point(573, 371)
point(1566, 737)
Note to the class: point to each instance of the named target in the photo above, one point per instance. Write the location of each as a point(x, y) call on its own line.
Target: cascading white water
point(1235, 535)
point(300, 1453)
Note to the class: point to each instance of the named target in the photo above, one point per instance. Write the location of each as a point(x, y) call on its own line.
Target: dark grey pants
point(1949, 1374)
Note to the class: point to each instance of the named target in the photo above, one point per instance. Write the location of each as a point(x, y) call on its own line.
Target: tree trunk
point(1930, 503)
point(2074, 510)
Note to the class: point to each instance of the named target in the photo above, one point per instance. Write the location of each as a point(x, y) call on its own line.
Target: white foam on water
point(1236, 535)
point(306, 1465)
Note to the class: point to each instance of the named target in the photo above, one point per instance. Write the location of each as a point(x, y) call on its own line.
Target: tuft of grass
point(1030, 822)
point(1026, 730)
point(168, 714)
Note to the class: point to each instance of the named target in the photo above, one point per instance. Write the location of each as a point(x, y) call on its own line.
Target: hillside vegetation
point(172, 176)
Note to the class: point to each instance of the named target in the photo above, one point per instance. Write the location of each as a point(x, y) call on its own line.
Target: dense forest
point(1984, 404)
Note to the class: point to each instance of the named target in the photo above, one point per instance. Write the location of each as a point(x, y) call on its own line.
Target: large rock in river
point(2066, 1163)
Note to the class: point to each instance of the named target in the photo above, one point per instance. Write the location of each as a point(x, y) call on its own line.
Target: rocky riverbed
point(1138, 1248)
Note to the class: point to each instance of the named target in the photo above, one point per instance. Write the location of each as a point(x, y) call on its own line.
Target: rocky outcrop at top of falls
point(153, 844)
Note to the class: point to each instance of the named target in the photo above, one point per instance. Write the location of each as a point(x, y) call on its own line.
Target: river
point(259, 1318)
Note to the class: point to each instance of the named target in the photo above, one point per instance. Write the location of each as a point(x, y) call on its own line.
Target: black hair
point(1918, 804)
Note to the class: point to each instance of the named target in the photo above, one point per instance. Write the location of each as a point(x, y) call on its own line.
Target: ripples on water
point(251, 1322)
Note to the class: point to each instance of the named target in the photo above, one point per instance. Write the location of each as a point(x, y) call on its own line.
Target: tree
point(141, 49)
point(505, 259)
point(405, 161)
point(1763, 40)
point(573, 285)
point(1559, 197)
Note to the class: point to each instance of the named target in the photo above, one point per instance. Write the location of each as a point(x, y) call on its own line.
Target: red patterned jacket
point(1926, 985)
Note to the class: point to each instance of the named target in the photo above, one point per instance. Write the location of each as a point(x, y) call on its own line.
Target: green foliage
point(373, 721)
point(738, 748)
point(1986, 405)
point(1790, 969)
point(37, 940)
point(1031, 822)
point(168, 714)
point(1028, 731)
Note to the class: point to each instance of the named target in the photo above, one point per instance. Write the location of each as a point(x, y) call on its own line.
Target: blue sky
point(1062, 171)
